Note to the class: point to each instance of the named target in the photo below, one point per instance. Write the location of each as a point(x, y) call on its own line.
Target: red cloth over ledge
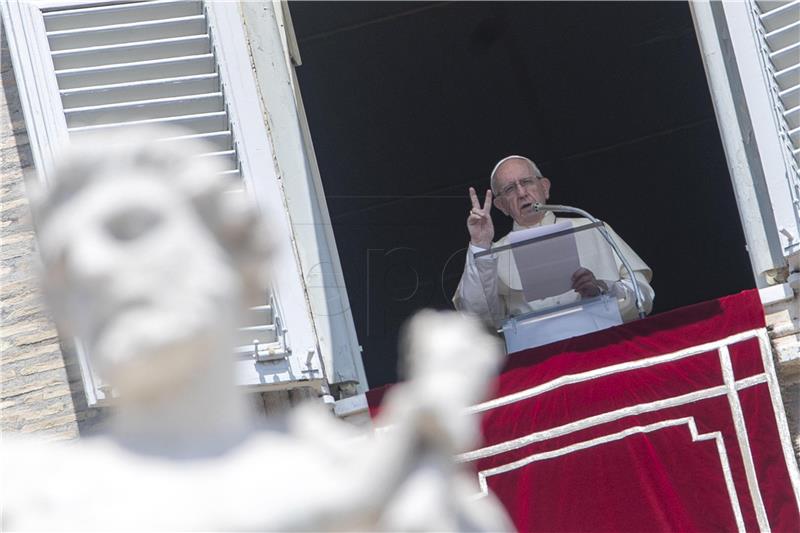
point(671, 423)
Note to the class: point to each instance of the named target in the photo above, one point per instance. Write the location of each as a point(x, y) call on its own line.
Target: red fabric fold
point(664, 424)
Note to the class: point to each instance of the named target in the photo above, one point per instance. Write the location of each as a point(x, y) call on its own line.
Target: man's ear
point(500, 203)
point(546, 188)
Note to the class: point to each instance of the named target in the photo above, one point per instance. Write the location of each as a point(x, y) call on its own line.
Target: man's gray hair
point(493, 177)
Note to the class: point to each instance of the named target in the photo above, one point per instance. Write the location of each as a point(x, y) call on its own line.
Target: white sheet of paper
point(596, 255)
point(545, 267)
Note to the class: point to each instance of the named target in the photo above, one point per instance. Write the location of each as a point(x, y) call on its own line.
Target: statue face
point(140, 280)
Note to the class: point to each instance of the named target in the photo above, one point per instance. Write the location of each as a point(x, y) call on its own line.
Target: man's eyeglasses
point(525, 183)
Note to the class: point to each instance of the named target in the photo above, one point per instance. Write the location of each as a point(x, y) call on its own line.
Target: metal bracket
point(268, 352)
point(309, 366)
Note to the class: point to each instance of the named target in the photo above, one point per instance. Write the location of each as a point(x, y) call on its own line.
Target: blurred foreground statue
point(150, 263)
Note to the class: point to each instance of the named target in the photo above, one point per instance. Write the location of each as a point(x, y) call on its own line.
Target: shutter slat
point(264, 333)
point(793, 117)
point(257, 316)
point(207, 123)
point(146, 109)
point(794, 134)
point(791, 97)
point(140, 71)
point(234, 175)
point(788, 78)
point(781, 16)
point(128, 53)
point(87, 17)
point(225, 160)
point(126, 33)
point(769, 5)
point(139, 90)
point(783, 37)
point(786, 57)
point(221, 141)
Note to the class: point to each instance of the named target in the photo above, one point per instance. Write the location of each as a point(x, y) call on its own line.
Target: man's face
point(140, 280)
point(516, 193)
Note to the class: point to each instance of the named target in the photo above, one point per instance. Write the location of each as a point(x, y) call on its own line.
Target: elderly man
point(488, 290)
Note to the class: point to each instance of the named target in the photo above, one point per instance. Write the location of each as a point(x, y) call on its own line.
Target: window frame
point(275, 55)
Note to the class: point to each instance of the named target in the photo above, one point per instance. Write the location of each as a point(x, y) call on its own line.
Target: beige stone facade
point(783, 322)
point(40, 387)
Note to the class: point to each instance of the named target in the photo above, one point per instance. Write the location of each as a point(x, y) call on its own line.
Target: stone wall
point(783, 325)
point(40, 387)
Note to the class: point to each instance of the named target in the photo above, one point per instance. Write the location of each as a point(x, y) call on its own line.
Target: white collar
point(548, 218)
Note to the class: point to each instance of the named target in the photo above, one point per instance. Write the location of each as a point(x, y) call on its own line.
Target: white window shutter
point(751, 52)
point(778, 28)
point(274, 54)
point(127, 64)
point(182, 63)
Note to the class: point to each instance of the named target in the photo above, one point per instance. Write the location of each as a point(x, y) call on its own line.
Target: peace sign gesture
point(479, 221)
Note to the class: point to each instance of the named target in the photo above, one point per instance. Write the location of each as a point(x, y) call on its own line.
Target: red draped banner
point(671, 423)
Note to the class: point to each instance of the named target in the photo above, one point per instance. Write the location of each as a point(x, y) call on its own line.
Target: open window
point(409, 104)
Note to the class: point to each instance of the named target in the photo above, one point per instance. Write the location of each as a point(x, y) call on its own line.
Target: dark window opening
point(409, 104)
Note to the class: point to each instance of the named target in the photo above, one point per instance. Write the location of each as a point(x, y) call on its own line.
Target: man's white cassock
point(491, 289)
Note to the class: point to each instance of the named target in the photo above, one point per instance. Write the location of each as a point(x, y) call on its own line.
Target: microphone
point(539, 207)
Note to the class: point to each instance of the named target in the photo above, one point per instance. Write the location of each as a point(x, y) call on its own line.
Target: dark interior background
point(409, 104)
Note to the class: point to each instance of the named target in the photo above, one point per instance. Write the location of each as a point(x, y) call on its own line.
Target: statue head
point(148, 256)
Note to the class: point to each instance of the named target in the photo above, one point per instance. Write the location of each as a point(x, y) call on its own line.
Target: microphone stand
point(538, 207)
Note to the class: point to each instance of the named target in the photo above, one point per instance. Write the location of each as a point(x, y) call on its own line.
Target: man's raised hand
point(479, 221)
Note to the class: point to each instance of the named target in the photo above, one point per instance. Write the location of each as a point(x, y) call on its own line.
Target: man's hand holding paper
point(585, 284)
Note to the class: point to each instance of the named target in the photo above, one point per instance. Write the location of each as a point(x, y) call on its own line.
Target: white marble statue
point(149, 262)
